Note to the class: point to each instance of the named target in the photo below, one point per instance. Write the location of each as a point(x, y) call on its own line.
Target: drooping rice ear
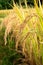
point(7, 31)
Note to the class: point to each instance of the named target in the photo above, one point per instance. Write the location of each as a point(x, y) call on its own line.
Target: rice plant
point(25, 32)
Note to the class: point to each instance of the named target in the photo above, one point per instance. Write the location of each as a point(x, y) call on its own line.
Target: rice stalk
point(40, 13)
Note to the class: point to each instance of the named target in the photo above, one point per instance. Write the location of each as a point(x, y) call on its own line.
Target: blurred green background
point(7, 4)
